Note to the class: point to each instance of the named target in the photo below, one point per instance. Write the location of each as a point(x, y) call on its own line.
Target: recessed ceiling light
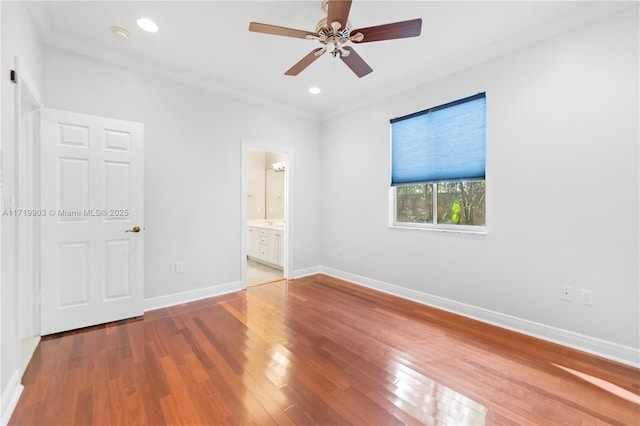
point(120, 33)
point(147, 25)
point(314, 90)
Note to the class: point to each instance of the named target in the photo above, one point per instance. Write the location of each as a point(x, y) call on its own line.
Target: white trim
point(534, 35)
point(26, 97)
point(304, 272)
point(468, 229)
point(213, 291)
point(191, 296)
point(49, 36)
point(27, 142)
point(10, 397)
point(29, 86)
point(610, 350)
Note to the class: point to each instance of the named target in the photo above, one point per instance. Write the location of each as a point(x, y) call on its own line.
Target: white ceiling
point(207, 43)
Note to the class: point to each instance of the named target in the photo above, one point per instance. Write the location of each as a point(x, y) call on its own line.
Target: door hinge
point(14, 76)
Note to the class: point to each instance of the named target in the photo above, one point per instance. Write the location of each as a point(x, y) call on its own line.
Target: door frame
point(288, 201)
point(28, 102)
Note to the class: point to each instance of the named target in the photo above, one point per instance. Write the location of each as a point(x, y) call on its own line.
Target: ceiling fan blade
point(304, 62)
point(404, 29)
point(356, 63)
point(338, 10)
point(281, 31)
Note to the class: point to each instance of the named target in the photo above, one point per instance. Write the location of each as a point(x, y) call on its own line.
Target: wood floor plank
point(317, 350)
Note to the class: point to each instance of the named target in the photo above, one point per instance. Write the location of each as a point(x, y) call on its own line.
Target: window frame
point(434, 225)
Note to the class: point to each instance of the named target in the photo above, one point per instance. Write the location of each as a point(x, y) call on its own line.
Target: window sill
point(475, 230)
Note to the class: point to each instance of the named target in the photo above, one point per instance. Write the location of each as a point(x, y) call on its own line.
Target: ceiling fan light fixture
point(147, 25)
point(314, 90)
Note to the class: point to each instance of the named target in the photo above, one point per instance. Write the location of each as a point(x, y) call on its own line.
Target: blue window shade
point(442, 144)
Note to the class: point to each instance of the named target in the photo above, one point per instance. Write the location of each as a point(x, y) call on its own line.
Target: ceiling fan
point(334, 30)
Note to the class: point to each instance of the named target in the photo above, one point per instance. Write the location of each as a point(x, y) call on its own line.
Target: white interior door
point(91, 201)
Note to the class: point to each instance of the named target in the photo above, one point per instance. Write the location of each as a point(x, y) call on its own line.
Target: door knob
point(134, 229)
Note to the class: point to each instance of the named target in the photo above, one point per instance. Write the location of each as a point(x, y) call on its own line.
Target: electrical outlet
point(586, 297)
point(179, 267)
point(566, 293)
point(340, 251)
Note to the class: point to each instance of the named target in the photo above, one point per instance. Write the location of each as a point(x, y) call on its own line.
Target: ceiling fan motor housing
point(333, 35)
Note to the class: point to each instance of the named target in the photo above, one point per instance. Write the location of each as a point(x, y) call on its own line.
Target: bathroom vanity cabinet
point(265, 244)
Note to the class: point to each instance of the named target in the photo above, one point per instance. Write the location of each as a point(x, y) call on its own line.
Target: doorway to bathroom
point(266, 207)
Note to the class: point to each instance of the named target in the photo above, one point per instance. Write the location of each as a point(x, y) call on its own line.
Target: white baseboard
point(610, 350)
point(191, 296)
point(9, 399)
point(216, 290)
point(613, 351)
point(299, 273)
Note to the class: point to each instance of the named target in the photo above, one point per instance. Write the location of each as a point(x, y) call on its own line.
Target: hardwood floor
point(317, 350)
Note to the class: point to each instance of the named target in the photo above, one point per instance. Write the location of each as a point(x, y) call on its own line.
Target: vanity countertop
point(272, 224)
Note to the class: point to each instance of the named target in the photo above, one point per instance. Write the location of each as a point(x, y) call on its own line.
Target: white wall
point(255, 184)
point(265, 188)
point(562, 192)
point(193, 150)
point(19, 38)
point(274, 186)
point(274, 194)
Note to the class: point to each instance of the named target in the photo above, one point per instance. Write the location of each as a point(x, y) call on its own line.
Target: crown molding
point(49, 37)
point(595, 11)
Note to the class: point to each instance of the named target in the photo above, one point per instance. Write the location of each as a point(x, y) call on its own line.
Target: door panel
point(73, 187)
point(118, 141)
point(117, 269)
point(92, 192)
point(117, 191)
point(73, 270)
point(75, 136)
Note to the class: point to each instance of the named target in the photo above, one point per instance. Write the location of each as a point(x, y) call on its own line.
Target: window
point(438, 166)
